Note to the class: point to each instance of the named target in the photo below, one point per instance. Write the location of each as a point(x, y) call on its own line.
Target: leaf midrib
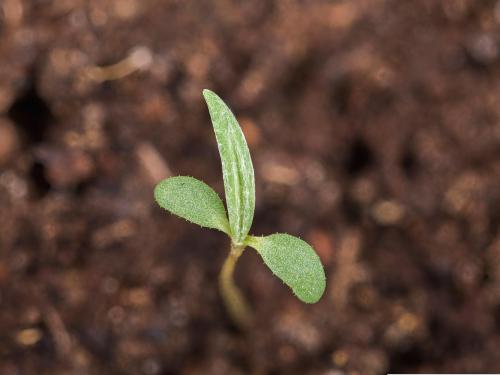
point(237, 177)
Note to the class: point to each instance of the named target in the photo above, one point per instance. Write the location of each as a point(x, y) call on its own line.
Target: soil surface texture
point(374, 128)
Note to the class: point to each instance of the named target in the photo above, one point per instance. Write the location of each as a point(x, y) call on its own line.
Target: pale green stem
point(233, 299)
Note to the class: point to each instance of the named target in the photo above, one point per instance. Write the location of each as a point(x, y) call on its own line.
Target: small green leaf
point(294, 262)
point(237, 168)
point(192, 200)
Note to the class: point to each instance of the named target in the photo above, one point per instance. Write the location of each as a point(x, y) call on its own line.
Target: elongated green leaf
point(294, 262)
point(192, 200)
point(237, 168)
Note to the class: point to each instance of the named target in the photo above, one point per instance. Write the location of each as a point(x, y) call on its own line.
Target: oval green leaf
point(192, 200)
point(294, 261)
point(237, 168)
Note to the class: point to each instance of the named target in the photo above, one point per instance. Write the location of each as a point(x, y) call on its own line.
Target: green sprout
point(289, 258)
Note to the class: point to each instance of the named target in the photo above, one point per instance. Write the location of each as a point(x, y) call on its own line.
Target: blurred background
point(374, 127)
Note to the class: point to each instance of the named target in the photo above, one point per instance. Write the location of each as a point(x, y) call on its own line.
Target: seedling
point(289, 258)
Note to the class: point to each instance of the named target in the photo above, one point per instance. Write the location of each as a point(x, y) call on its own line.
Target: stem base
point(234, 301)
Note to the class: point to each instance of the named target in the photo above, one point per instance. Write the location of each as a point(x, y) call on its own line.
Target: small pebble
point(388, 212)
point(126, 9)
point(340, 358)
point(15, 185)
point(251, 131)
point(407, 322)
point(29, 336)
point(139, 297)
point(273, 172)
point(483, 49)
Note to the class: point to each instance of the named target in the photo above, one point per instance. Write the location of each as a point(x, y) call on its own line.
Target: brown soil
point(374, 127)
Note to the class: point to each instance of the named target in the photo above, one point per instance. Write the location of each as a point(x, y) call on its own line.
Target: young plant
point(289, 258)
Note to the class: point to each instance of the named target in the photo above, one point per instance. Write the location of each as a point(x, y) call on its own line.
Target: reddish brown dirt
point(374, 127)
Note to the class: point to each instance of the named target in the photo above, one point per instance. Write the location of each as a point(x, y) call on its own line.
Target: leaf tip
point(313, 296)
point(208, 94)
